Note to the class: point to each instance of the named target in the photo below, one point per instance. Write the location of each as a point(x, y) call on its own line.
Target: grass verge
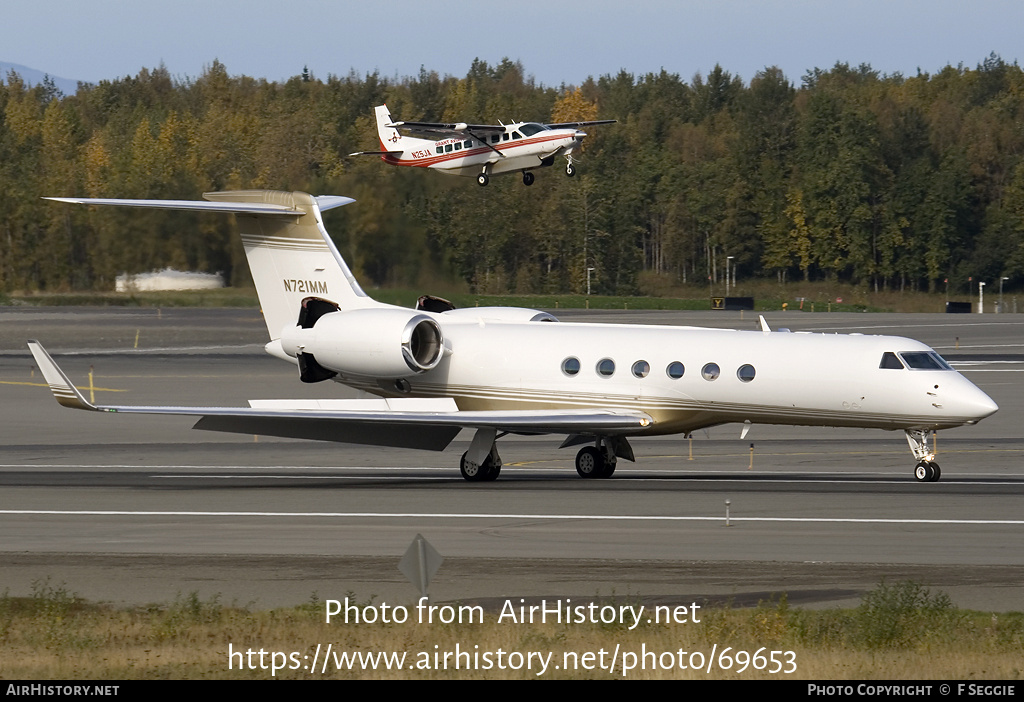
point(901, 631)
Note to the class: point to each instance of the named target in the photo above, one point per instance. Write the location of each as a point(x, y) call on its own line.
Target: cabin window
point(447, 148)
point(504, 137)
point(517, 135)
point(439, 149)
point(675, 370)
point(924, 360)
point(467, 144)
point(458, 145)
point(571, 366)
point(641, 369)
point(495, 138)
point(711, 371)
point(890, 361)
point(606, 367)
point(746, 373)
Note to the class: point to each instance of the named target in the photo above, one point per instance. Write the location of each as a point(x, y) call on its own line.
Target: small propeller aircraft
point(427, 373)
point(478, 149)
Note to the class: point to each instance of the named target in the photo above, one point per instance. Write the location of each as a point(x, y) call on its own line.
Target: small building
point(168, 279)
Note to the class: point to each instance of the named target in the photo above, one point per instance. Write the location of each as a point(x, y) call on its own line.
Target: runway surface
point(140, 509)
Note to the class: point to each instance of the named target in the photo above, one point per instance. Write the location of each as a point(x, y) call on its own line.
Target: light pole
point(981, 298)
point(588, 280)
point(728, 262)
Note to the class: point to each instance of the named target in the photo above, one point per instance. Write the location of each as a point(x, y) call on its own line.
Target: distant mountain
point(34, 77)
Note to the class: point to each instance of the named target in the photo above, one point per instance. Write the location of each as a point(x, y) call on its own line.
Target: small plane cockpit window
point(711, 371)
point(606, 367)
point(517, 135)
point(675, 370)
point(924, 360)
point(531, 128)
point(890, 361)
point(641, 369)
point(571, 366)
point(746, 373)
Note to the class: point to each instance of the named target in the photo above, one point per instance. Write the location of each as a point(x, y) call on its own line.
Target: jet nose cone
point(978, 405)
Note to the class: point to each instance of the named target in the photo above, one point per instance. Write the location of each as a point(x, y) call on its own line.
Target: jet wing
point(577, 125)
point(424, 423)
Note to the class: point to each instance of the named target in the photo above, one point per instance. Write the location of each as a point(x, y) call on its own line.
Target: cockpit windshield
point(924, 360)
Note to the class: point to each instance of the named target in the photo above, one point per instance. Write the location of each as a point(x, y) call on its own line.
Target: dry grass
point(900, 632)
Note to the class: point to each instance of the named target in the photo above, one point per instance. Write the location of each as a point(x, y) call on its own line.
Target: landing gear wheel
point(482, 179)
point(590, 462)
point(609, 468)
point(527, 178)
point(927, 472)
point(475, 474)
point(570, 170)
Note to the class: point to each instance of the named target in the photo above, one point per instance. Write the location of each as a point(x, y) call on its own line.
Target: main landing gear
point(570, 170)
point(527, 178)
point(926, 470)
point(481, 462)
point(596, 461)
point(482, 179)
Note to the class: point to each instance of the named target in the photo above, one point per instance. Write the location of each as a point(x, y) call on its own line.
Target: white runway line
point(559, 517)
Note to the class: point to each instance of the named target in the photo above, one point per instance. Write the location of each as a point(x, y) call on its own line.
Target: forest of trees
point(883, 181)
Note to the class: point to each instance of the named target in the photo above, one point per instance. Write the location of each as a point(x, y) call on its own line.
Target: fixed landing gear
point(527, 178)
point(482, 179)
point(570, 170)
point(926, 470)
point(485, 472)
point(595, 462)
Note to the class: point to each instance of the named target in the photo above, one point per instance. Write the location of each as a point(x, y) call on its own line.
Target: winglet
point(764, 324)
point(63, 389)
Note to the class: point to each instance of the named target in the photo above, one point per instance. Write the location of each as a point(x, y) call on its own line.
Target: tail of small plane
point(390, 138)
point(290, 254)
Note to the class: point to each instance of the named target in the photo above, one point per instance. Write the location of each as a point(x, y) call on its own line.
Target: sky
point(556, 42)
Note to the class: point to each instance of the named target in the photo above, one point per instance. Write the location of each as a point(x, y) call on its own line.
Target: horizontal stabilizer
point(324, 202)
point(377, 153)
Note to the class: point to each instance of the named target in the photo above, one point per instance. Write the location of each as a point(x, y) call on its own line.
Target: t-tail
point(295, 265)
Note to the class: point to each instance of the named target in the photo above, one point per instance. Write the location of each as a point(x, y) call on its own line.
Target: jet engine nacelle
point(376, 343)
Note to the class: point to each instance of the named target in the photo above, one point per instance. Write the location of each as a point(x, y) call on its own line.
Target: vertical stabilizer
point(390, 138)
point(292, 257)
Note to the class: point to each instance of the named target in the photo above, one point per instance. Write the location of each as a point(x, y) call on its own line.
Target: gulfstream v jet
point(435, 370)
point(478, 149)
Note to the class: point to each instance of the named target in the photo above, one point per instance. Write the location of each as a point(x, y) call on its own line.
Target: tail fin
point(290, 254)
point(390, 138)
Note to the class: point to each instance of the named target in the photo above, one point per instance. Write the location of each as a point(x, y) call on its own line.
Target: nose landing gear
point(926, 470)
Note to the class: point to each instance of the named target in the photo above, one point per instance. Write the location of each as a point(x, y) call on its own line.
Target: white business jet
point(479, 150)
point(428, 373)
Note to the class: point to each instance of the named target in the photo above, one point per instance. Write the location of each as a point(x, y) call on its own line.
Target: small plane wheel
point(527, 178)
point(570, 170)
point(590, 463)
point(474, 474)
point(482, 179)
